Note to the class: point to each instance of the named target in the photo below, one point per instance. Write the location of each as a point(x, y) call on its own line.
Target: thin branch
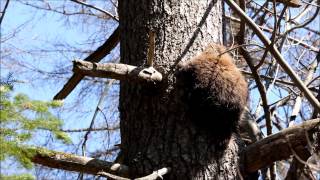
point(96, 8)
point(248, 58)
point(298, 41)
point(151, 48)
point(96, 56)
point(290, 21)
point(315, 168)
point(297, 168)
point(92, 129)
point(238, 46)
point(98, 108)
point(63, 11)
point(308, 21)
point(315, 112)
point(254, 156)
point(156, 174)
point(117, 71)
point(285, 66)
point(261, 87)
point(269, 78)
point(316, 5)
point(4, 11)
point(105, 152)
point(111, 176)
point(297, 105)
point(290, 3)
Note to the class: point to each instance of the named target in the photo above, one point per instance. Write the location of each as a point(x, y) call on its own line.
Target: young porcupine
point(214, 90)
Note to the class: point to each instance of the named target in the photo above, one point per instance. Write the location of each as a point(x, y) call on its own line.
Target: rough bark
point(155, 129)
point(276, 54)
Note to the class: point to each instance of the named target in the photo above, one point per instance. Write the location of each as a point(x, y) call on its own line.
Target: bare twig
point(299, 159)
point(298, 41)
point(269, 78)
point(308, 21)
point(298, 103)
point(290, 21)
point(98, 108)
point(238, 46)
point(290, 3)
point(63, 11)
point(111, 176)
point(285, 66)
point(4, 11)
point(92, 129)
point(316, 5)
point(261, 87)
point(105, 152)
point(96, 8)
point(155, 175)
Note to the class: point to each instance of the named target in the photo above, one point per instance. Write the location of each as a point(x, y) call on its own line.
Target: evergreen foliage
point(21, 119)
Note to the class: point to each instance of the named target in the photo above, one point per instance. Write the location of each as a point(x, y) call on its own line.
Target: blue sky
point(43, 30)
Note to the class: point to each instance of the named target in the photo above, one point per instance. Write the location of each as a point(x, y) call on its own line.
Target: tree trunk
point(156, 131)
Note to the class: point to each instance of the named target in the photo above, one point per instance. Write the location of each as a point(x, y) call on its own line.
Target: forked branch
point(276, 54)
point(253, 158)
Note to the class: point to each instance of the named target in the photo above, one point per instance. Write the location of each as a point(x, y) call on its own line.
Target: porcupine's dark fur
point(215, 90)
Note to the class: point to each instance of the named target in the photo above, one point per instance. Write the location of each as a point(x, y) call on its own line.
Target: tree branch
point(250, 74)
point(71, 162)
point(156, 174)
point(285, 66)
point(117, 71)
point(298, 102)
point(96, 56)
point(290, 3)
point(96, 8)
point(266, 151)
point(294, 40)
point(92, 129)
point(253, 158)
point(4, 11)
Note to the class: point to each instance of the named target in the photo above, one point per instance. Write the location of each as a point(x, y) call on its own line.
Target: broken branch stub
point(117, 71)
